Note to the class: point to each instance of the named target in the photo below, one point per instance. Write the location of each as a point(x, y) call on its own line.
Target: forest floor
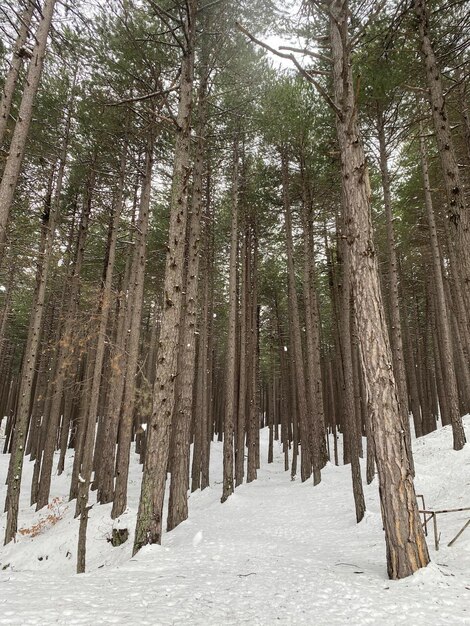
point(277, 552)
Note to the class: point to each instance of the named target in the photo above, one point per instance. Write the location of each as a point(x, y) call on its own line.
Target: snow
point(277, 552)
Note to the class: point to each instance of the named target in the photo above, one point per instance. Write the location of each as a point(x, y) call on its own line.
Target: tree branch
point(368, 22)
point(147, 96)
point(166, 19)
point(302, 71)
point(209, 5)
point(309, 53)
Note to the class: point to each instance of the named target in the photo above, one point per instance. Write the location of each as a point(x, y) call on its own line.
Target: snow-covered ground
point(277, 552)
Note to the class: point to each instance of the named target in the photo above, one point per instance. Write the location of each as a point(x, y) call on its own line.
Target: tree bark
point(118, 363)
point(179, 485)
point(412, 380)
point(405, 542)
point(128, 401)
point(149, 517)
point(19, 54)
point(206, 345)
point(91, 417)
point(297, 355)
point(253, 349)
point(395, 319)
point(349, 412)
point(25, 113)
point(243, 353)
point(312, 331)
point(231, 376)
point(29, 368)
point(456, 206)
point(65, 347)
point(444, 334)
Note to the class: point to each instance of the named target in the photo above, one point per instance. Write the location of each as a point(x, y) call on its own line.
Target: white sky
point(291, 8)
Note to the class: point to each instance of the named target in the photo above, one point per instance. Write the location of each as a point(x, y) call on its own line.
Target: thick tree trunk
point(464, 111)
point(395, 319)
point(405, 542)
point(458, 301)
point(179, 485)
point(206, 345)
point(149, 518)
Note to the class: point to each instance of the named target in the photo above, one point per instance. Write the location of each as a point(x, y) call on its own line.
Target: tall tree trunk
point(206, 344)
point(91, 417)
point(412, 379)
point(302, 403)
point(128, 401)
point(179, 485)
point(444, 334)
point(455, 192)
point(231, 375)
point(19, 54)
point(243, 344)
point(464, 111)
point(65, 347)
point(349, 412)
point(253, 396)
point(312, 331)
point(80, 437)
point(458, 300)
point(405, 542)
point(395, 320)
point(20, 134)
point(462, 366)
point(112, 413)
point(29, 367)
point(422, 361)
point(149, 517)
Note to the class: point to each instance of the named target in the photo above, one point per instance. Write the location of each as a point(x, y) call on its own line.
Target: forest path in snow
point(277, 552)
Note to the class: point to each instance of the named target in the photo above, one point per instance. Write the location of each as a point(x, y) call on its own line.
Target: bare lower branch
point(309, 53)
point(147, 96)
point(302, 71)
point(418, 90)
point(209, 5)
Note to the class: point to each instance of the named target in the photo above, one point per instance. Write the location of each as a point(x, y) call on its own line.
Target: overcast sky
point(291, 7)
